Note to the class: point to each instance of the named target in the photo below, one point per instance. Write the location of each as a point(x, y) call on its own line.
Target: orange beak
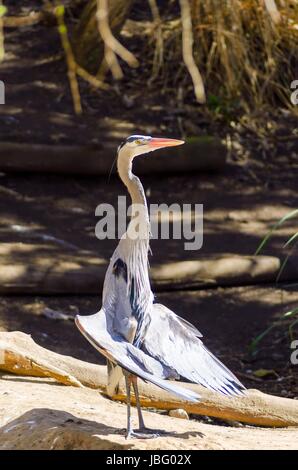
point(157, 142)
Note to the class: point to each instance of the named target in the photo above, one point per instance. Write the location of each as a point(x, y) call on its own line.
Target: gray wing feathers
point(181, 320)
point(116, 349)
point(176, 345)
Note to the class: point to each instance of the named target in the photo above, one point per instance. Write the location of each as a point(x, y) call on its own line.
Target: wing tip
point(185, 393)
point(233, 389)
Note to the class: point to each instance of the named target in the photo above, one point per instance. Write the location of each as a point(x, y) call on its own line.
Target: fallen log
point(19, 354)
point(32, 268)
point(200, 154)
point(216, 270)
point(69, 271)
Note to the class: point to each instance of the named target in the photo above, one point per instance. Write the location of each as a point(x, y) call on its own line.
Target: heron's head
point(136, 145)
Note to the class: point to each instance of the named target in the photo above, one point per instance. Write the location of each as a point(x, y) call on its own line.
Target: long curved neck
point(131, 181)
point(138, 230)
point(134, 249)
point(133, 246)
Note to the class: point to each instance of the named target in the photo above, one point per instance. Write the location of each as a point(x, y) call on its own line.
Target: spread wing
point(175, 343)
point(130, 358)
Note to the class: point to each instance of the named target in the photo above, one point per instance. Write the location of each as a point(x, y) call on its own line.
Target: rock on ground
point(41, 414)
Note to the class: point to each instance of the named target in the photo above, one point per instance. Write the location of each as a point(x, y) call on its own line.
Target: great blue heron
point(141, 338)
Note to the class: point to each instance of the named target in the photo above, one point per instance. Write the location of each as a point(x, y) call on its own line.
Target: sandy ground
point(40, 414)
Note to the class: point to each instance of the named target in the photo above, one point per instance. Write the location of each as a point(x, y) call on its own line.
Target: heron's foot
point(146, 430)
point(144, 433)
point(139, 433)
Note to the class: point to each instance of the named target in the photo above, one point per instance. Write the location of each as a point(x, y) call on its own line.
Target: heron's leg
point(143, 431)
point(136, 392)
point(127, 384)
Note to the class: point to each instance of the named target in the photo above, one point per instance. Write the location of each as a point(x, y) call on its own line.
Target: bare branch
point(112, 46)
point(71, 63)
point(187, 44)
point(272, 10)
point(21, 21)
point(94, 81)
point(2, 13)
point(159, 47)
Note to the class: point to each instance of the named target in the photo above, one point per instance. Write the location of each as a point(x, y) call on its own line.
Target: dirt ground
point(41, 414)
point(256, 188)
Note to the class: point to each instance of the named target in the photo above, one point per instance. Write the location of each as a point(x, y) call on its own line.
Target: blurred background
point(80, 76)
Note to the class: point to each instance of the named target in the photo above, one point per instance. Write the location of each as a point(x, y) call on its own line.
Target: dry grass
point(245, 52)
point(241, 54)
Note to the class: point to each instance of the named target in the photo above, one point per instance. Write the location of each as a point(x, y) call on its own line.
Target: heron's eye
point(138, 141)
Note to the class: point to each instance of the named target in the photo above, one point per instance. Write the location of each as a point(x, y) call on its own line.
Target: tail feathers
point(115, 374)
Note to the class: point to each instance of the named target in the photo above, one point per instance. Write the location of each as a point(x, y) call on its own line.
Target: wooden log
point(19, 354)
point(202, 154)
point(32, 268)
point(43, 269)
point(216, 270)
